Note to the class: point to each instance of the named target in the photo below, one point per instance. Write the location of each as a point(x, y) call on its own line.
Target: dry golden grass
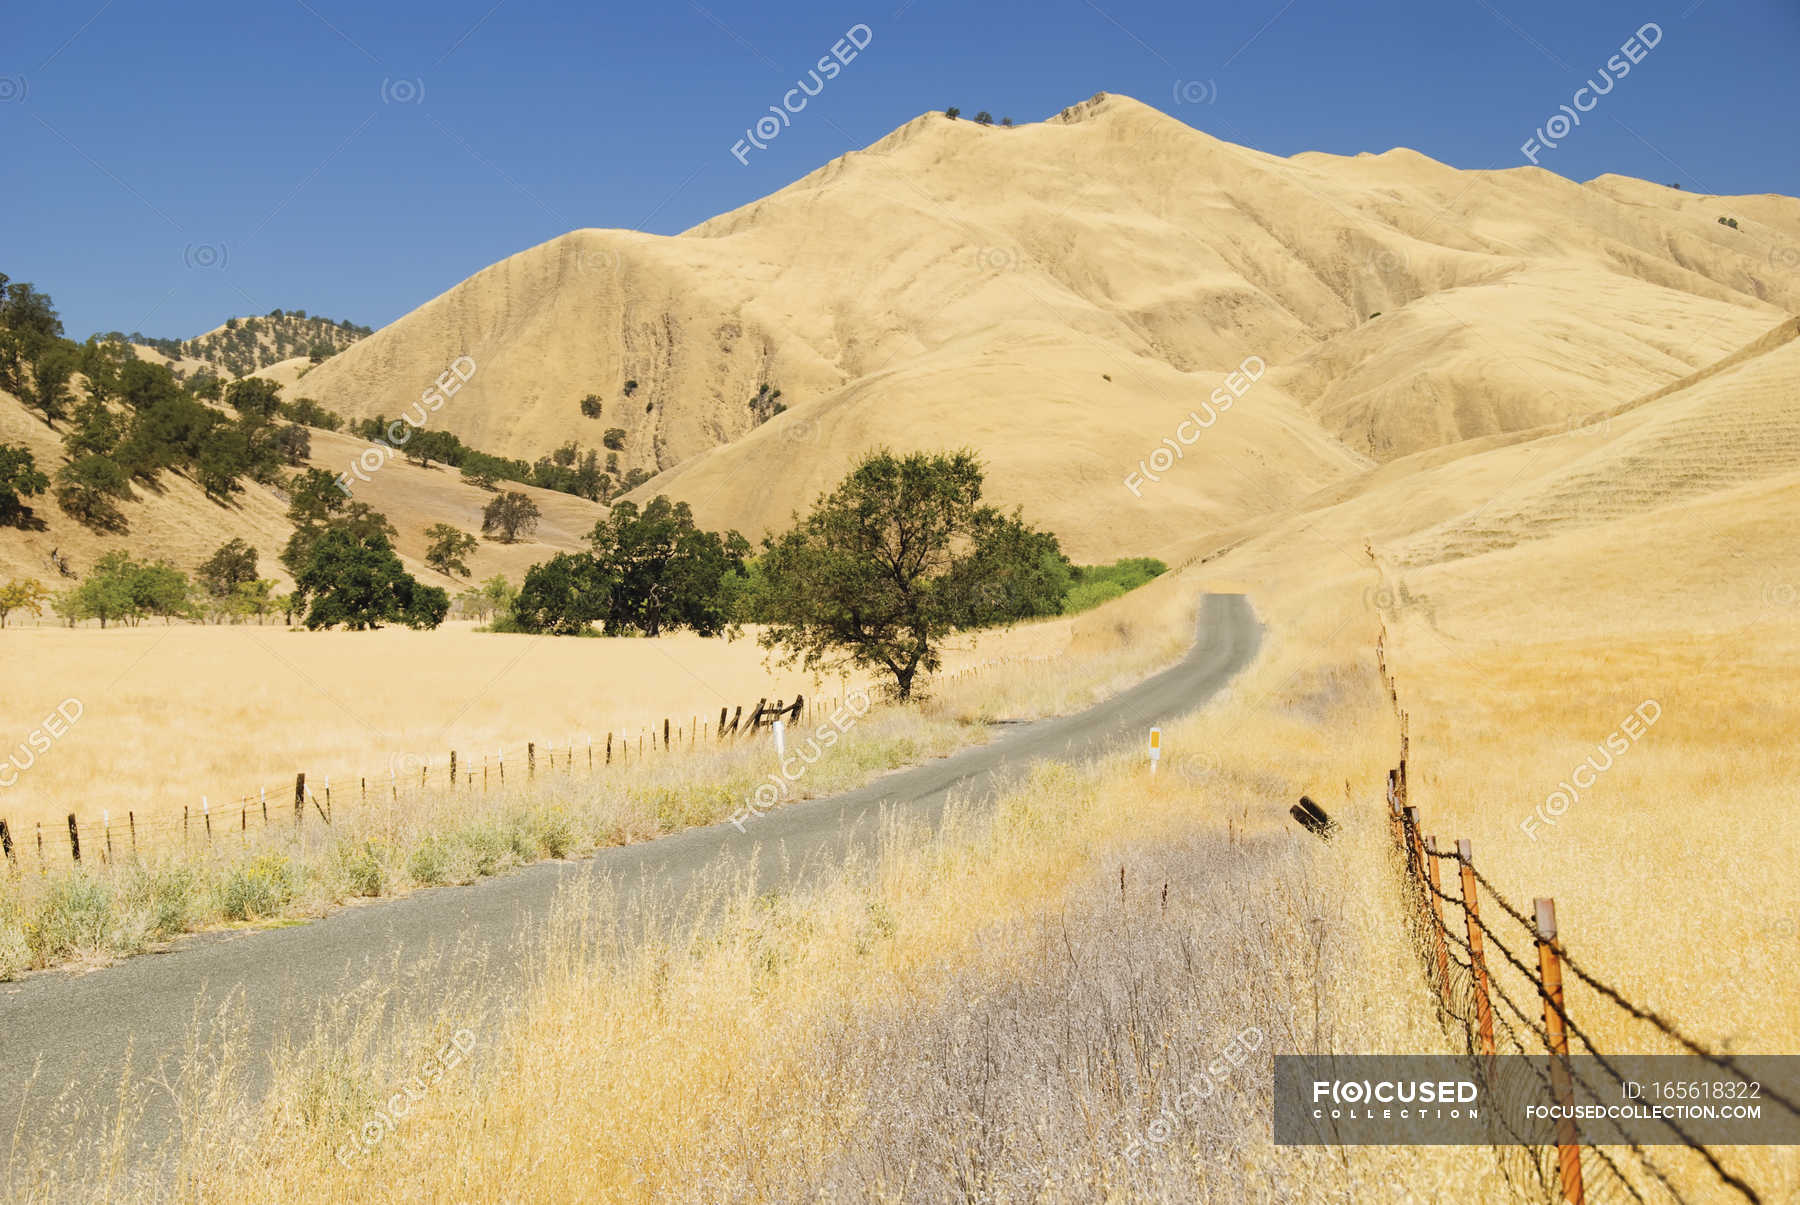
point(171, 713)
point(979, 1015)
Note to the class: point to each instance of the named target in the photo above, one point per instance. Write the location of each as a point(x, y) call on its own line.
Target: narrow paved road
point(76, 1029)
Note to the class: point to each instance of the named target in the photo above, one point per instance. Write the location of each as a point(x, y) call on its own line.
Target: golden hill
point(958, 284)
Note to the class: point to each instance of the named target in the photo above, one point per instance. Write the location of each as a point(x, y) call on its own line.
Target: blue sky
point(170, 166)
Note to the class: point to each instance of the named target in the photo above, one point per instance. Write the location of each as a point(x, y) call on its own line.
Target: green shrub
point(552, 830)
point(260, 887)
point(162, 900)
point(487, 848)
point(361, 866)
point(430, 863)
point(76, 915)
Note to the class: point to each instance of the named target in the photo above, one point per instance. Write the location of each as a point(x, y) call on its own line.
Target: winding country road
point(75, 1030)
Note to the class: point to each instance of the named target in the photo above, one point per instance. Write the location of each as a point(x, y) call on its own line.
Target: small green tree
point(614, 438)
point(293, 443)
point(984, 118)
point(591, 406)
point(449, 550)
point(22, 594)
point(953, 112)
point(233, 564)
point(509, 515)
point(106, 594)
point(19, 480)
point(87, 490)
point(254, 395)
point(898, 557)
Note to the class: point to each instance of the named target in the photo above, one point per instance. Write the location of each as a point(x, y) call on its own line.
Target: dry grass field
point(171, 713)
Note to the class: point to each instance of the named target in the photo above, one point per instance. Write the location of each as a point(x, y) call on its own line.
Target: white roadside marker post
point(1155, 748)
point(780, 739)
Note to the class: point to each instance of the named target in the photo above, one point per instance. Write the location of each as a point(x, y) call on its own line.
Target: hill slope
point(882, 293)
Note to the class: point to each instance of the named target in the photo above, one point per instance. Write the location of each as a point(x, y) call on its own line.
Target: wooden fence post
point(1439, 945)
point(530, 760)
point(1568, 1139)
point(721, 733)
point(665, 734)
point(609, 746)
point(1396, 823)
point(299, 798)
point(452, 769)
point(6, 843)
point(1415, 849)
point(74, 840)
point(40, 839)
point(206, 815)
point(131, 818)
point(1484, 1011)
point(737, 714)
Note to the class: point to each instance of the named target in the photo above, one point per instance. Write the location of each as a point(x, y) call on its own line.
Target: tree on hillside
point(233, 564)
point(356, 580)
point(95, 431)
point(88, 490)
point(47, 390)
point(664, 571)
point(984, 118)
point(19, 480)
point(591, 406)
point(953, 112)
point(449, 550)
point(894, 560)
point(510, 514)
point(614, 439)
point(253, 395)
point(22, 594)
point(293, 443)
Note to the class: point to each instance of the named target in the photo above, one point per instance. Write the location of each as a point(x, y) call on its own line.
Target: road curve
point(76, 1029)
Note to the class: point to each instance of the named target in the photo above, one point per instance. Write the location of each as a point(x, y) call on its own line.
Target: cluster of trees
point(983, 118)
point(878, 575)
point(766, 404)
point(567, 470)
point(244, 345)
point(647, 571)
point(136, 420)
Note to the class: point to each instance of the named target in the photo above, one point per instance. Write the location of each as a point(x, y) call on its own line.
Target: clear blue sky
point(356, 159)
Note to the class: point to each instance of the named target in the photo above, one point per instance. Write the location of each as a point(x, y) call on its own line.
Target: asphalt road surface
point(73, 1031)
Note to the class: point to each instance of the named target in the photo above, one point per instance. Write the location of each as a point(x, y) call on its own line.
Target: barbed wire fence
point(109, 840)
point(1499, 987)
